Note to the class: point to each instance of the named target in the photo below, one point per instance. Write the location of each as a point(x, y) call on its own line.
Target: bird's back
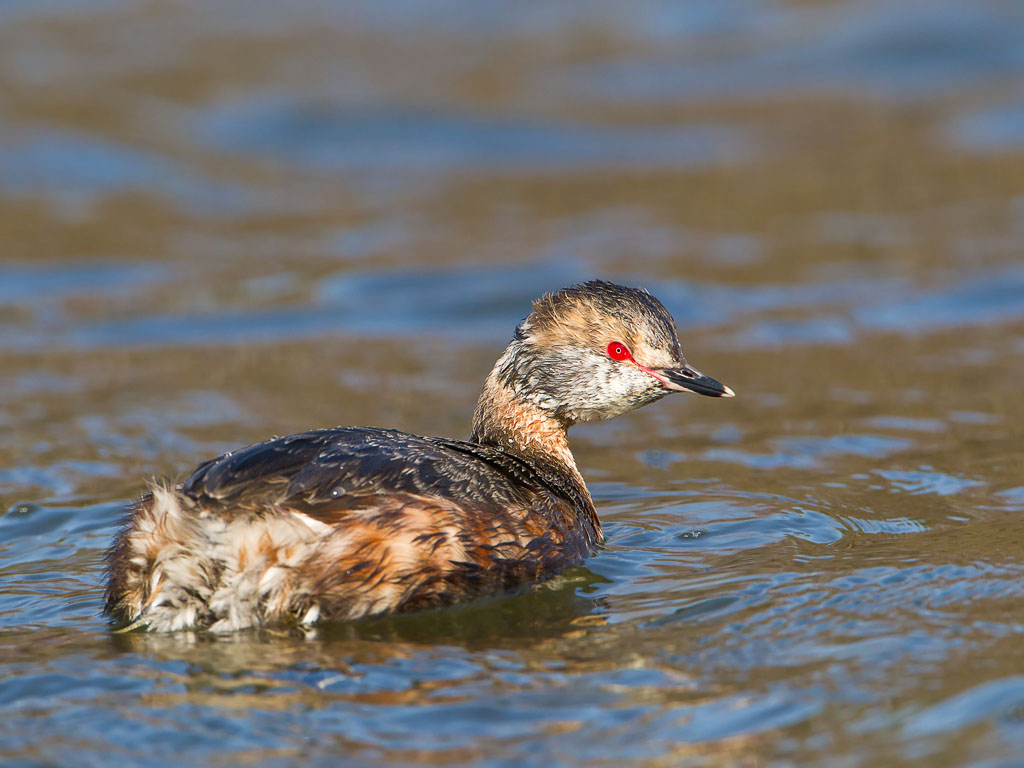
point(344, 523)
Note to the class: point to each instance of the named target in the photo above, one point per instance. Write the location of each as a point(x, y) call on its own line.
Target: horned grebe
point(355, 521)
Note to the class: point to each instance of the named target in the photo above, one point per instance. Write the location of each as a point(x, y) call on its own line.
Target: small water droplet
point(23, 508)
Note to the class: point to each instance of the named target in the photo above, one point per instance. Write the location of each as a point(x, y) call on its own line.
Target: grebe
point(355, 521)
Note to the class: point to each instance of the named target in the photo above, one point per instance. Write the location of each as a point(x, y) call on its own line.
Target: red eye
point(619, 351)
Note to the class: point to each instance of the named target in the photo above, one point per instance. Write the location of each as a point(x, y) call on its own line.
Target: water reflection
point(325, 140)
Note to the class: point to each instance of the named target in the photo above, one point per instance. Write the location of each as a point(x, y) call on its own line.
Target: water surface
point(223, 222)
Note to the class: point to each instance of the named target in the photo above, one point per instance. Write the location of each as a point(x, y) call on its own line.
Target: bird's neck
point(506, 418)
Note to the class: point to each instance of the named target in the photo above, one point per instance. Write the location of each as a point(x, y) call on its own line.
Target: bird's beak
point(684, 378)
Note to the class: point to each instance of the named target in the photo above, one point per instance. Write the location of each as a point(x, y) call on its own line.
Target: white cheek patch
point(617, 389)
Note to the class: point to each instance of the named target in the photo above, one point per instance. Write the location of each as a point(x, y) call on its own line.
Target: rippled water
point(226, 221)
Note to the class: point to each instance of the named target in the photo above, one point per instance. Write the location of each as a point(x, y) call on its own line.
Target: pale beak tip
point(727, 392)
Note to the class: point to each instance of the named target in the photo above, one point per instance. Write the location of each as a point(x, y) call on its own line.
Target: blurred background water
point(222, 221)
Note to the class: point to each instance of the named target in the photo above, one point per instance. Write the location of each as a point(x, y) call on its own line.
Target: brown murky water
point(225, 221)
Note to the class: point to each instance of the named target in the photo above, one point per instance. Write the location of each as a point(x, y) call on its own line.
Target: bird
point(349, 522)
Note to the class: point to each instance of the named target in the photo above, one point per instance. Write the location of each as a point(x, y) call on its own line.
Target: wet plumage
point(355, 521)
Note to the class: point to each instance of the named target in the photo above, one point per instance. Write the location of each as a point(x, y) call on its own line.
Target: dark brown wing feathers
point(323, 465)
